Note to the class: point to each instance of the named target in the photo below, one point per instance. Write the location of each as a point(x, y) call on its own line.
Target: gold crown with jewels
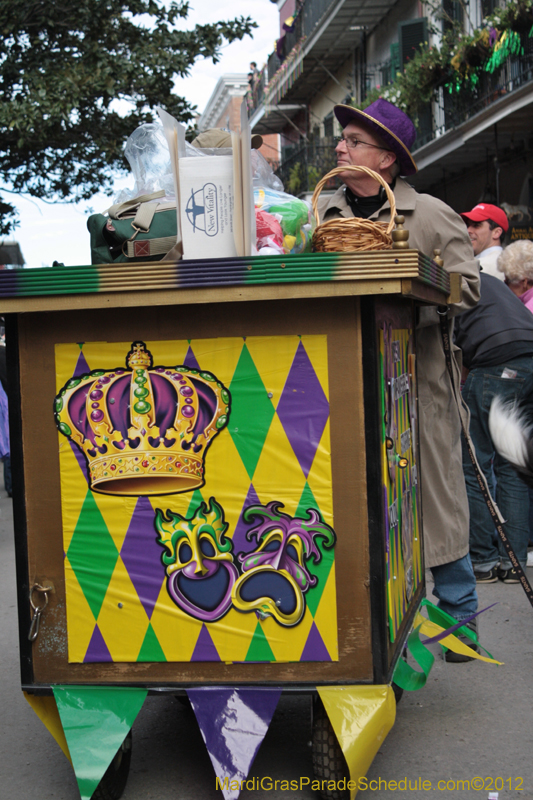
point(144, 430)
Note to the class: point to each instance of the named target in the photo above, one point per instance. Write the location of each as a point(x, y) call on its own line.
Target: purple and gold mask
point(274, 576)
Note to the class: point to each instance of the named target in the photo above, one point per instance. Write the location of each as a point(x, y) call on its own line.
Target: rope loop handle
point(352, 168)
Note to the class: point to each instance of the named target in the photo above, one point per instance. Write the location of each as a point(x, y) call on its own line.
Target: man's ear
point(388, 158)
point(495, 234)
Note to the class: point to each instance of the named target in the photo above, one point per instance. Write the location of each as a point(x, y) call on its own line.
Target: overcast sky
point(59, 232)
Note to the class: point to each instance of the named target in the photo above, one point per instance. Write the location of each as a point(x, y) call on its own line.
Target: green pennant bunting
point(96, 720)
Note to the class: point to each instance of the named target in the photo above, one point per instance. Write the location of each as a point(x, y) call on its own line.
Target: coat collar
point(404, 195)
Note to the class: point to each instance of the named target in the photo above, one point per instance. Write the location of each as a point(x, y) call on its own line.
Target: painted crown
point(144, 430)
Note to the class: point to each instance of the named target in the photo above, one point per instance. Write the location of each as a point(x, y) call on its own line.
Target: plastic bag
point(285, 224)
point(149, 158)
point(294, 216)
point(262, 174)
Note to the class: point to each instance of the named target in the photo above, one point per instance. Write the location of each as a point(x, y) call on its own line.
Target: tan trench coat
point(433, 225)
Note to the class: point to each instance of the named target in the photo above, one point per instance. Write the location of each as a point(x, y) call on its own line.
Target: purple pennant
point(303, 409)
point(190, 360)
point(82, 367)
point(204, 649)
point(233, 723)
point(240, 542)
point(142, 555)
point(97, 650)
point(315, 649)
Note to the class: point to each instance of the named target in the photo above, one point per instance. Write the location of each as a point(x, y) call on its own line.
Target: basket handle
point(352, 168)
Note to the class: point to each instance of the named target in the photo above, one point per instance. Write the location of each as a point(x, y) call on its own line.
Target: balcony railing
point(305, 164)
point(452, 109)
point(310, 15)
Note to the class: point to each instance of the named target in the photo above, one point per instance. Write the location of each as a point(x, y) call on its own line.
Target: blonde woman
point(516, 263)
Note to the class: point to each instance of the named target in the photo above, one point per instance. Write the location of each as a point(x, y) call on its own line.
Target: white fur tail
point(511, 433)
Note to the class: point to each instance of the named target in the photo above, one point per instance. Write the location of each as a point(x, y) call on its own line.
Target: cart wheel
point(329, 763)
point(114, 781)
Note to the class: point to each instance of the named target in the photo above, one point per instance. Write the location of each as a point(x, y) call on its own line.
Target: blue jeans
point(455, 587)
point(512, 498)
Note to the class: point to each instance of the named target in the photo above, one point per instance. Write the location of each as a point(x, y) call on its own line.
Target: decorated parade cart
point(217, 494)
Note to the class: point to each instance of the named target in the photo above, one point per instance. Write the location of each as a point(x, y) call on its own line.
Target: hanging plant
point(459, 62)
point(509, 44)
point(516, 16)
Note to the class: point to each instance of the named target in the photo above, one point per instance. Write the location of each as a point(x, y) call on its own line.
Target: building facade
point(223, 110)
point(463, 71)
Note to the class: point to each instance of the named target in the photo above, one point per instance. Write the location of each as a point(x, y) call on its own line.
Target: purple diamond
point(303, 409)
point(80, 458)
point(315, 649)
point(82, 368)
point(97, 650)
point(190, 360)
point(204, 649)
point(240, 542)
point(142, 555)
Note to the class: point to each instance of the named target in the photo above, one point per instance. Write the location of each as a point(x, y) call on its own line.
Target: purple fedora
point(390, 123)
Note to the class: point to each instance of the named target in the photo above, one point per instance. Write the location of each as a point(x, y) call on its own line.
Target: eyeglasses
point(353, 141)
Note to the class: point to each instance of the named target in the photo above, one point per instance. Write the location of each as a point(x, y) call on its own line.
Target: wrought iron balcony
point(452, 109)
point(303, 165)
point(324, 35)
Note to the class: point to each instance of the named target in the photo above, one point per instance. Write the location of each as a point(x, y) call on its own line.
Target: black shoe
point(459, 658)
point(488, 576)
point(508, 575)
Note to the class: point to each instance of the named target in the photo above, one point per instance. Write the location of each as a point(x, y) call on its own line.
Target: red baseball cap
point(484, 211)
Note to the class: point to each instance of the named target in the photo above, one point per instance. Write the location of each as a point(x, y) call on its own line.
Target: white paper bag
point(206, 207)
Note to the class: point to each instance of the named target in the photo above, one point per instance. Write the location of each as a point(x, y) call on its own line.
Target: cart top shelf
point(405, 272)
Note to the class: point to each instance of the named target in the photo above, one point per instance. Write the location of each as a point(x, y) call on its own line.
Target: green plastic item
point(96, 720)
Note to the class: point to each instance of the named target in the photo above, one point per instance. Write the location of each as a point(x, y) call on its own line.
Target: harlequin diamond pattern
point(251, 411)
point(142, 555)
point(277, 443)
point(93, 566)
point(303, 409)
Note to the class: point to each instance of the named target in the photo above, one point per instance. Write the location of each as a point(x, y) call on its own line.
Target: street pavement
point(470, 723)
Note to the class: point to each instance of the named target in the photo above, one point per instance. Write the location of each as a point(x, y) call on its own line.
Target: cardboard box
point(206, 186)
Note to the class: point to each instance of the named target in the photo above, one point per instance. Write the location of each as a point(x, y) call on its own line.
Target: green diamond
point(251, 411)
point(92, 554)
point(151, 650)
point(259, 649)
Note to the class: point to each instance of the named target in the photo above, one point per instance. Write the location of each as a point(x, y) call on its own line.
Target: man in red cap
point(486, 224)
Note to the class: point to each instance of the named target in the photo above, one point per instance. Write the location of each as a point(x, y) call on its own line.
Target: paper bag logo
point(201, 209)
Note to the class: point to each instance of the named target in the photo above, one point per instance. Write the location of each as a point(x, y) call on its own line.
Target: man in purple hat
point(381, 137)
point(486, 224)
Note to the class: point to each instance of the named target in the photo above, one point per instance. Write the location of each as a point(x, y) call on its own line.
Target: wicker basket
point(349, 235)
